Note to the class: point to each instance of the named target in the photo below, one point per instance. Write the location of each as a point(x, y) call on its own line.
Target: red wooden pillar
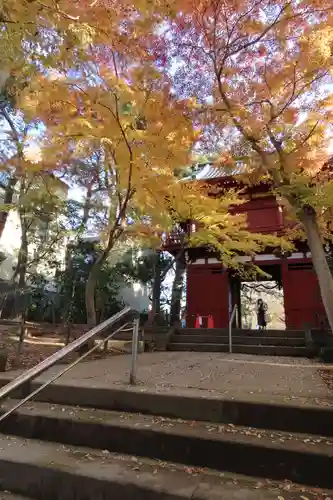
point(302, 300)
point(207, 294)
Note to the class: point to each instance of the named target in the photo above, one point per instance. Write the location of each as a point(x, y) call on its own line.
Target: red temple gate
point(209, 290)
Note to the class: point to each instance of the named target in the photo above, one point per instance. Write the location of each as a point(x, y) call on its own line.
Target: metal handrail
point(66, 369)
point(47, 363)
point(232, 317)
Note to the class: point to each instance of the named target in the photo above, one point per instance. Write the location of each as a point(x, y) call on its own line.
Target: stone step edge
point(255, 337)
point(201, 429)
point(185, 346)
point(177, 441)
point(6, 495)
point(238, 331)
point(236, 344)
point(237, 341)
point(260, 411)
point(83, 473)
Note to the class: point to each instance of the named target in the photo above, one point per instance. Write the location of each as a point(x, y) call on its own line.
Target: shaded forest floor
point(40, 342)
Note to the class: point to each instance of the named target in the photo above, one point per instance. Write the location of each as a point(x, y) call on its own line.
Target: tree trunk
point(177, 291)
point(325, 279)
point(90, 291)
point(23, 257)
point(20, 298)
point(156, 292)
point(90, 299)
point(8, 199)
point(86, 207)
point(21, 271)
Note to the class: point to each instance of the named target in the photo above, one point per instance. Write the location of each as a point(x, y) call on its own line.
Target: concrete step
point(55, 472)
point(244, 340)
point(305, 459)
point(240, 332)
point(6, 495)
point(269, 350)
point(268, 412)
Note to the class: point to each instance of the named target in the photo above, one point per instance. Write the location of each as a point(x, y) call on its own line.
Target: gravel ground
point(327, 376)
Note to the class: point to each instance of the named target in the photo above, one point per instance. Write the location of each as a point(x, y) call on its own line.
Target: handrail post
point(44, 365)
point(135, 340)
point(32, 373)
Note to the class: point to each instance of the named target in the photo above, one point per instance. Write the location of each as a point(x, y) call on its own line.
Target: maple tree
point(28, 189)
point(138, 147)
point(98, 95)
point(71, 282)
point(40, 206)
point(48, 39)
point(260, 77)
point(138, 195)
point(46, 34)
point(14, 134)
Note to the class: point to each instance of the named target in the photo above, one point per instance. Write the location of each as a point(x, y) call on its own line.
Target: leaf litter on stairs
point(286, 490)
point(139, 420)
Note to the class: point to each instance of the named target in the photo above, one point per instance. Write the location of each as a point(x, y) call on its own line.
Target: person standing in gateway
point(261, 314)
point(183, 318)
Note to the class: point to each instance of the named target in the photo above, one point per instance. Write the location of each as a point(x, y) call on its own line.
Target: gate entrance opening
point(265, 285)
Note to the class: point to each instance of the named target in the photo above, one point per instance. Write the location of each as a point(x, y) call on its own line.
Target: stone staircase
point(78, 443)
point(269, 342)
